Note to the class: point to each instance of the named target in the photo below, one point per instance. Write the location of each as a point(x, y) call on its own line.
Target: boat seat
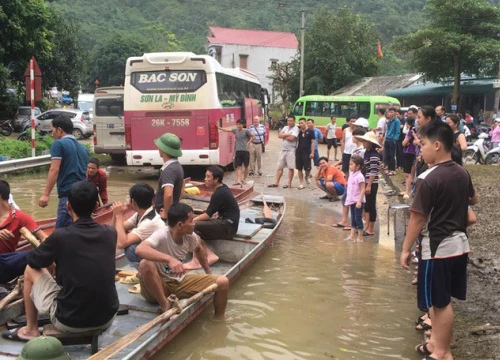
point(89, 337)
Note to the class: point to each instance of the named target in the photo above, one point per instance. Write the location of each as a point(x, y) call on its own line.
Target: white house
point(253, 50)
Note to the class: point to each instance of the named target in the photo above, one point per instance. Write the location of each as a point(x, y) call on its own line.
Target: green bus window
point(298, 109)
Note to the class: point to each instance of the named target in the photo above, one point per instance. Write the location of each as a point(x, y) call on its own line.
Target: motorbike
point(476, 130)
point(6, 127)
point(493, 156)
point(476, 153)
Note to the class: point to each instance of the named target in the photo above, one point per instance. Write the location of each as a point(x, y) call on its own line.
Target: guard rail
point(21, 164)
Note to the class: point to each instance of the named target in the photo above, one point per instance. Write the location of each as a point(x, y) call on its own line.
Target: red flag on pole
point(380, 54)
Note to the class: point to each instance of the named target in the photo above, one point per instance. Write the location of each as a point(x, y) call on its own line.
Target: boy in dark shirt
point(439, 220)
point(304, 152)
point(83, 297)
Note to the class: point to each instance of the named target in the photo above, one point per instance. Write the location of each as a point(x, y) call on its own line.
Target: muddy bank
point(475, 338)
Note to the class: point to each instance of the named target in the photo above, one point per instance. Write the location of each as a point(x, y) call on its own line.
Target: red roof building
point(252, 50)
point(275, 39)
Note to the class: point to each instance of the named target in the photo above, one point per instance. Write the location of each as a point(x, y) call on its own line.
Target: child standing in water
point(356, 197)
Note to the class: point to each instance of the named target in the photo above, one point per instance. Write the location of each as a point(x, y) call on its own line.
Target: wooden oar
point(267, 211)
point(128, 339)
point(29, 236)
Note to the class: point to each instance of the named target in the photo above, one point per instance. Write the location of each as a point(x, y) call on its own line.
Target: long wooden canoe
point(104, 215)
point(236, 255)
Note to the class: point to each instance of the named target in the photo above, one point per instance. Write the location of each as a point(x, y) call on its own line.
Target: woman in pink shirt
point(495, 133)
point(356, 197)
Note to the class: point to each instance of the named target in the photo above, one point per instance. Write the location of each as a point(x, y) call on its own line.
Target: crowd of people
point(161, 233)
point(157, 239)
point(427, 145)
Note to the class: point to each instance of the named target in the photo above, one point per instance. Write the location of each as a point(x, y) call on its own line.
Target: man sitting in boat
point(220, 220)
point(140, 225)
point(13, 263)
point(162, 272)
point(83, 297)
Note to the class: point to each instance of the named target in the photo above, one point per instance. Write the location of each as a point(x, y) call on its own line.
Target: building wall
point(259, 59)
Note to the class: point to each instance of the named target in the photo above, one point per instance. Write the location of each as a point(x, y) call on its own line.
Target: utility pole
point(302, 31)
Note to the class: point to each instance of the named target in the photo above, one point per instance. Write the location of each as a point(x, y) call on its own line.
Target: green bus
point(321, 108)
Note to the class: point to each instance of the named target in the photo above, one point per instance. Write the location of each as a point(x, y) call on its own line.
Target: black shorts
point(302, 161)
point(214, 229)
point(331, 142)
point(440, 279)
point(408, 161)
point(241, 158)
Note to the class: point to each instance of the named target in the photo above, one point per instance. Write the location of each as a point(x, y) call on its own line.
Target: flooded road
point(311, 295)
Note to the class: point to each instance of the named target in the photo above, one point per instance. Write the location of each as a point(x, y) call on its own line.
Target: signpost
point(34, 75)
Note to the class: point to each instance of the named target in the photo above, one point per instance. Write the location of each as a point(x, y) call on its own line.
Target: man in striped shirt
point(256, 146)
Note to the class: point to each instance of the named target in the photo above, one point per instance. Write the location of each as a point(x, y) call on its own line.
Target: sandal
point(347, 228)
point(415, 282)
point(136, 289)
point(129, 280)
point(367, 234)
point(338, 225)
point(333, 199)
point(286, 186)
point(237, 184)
point(324, 197)
point(272, 185)
point(422, 349)
point(13, 334)
point(423, 326)
point(301, 187)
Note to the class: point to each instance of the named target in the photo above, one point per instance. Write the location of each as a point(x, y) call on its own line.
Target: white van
point(86, 103)
point(109, 129)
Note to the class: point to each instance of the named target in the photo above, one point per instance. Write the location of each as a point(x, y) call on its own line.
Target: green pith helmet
point(43, 348)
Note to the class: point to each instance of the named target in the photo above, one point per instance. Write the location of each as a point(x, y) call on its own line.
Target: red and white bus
point(187, 95)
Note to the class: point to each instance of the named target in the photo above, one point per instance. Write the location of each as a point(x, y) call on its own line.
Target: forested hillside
point(162, 25)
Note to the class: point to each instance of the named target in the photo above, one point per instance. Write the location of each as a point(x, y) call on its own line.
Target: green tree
point(463, 36)
point(24, 33)
point(108, 59)
point(65, 66)
point(340, 47)
point(282, 77)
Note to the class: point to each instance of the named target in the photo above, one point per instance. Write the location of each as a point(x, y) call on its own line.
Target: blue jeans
point(12, 265)
point(131, 256)
point(63, 217)
point(357, 217)
point(316, 157)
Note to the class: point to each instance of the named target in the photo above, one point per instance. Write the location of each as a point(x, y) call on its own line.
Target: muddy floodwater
point(311, 295)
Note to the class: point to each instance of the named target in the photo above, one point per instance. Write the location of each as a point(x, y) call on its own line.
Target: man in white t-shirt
point(139, 226)
point(331, 138)
point(162, 272)
point(288, 135)
point(381, 125)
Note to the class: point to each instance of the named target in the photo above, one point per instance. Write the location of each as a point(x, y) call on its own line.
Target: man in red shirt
point(97, 176)
point(12, 263)
point(330, 179)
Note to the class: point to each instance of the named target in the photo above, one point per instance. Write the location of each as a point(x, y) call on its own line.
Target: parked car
point(22, 113)
point(66, 99)
point(82, 124)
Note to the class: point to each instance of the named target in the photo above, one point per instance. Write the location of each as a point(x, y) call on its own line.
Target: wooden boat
point(235, 255)
point(104, 215)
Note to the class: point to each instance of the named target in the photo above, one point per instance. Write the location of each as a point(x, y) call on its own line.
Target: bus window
point(298, 109)
point(328, 108)
point(360, 109)
point(313, 108)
